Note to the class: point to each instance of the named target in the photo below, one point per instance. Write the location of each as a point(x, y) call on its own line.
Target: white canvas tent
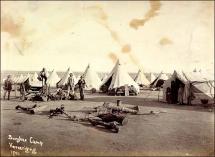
point(141, 79)
point(64, 79)
point(104, 77)
point(14, 79)
point(158, 82)
point(77, 79)
point(119, 77)
point(21, 79)
point(27, 77)
point(151, 77)
point(34, 77)
point(18, 79)
point(194, 82)
point(208, 75)
point(53, 79)
point(91, 78)
point(34, 82)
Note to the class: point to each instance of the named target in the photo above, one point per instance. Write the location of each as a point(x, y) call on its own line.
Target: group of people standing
point(174, 95)
point(43, 77)
point(71, 85)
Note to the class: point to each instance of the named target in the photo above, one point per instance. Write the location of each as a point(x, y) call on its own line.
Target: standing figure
point(22, 91)
point(43, 76)
point(173, 92)
point(81, 85)
point(71, 84)
point(168, 95)
point(7, 86)
point(180, 94)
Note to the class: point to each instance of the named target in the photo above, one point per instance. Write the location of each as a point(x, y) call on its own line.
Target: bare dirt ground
point(180, 131)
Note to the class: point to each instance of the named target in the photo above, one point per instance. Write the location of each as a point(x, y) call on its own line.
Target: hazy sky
point(155, 35)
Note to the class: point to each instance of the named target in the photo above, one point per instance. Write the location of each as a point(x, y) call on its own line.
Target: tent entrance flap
point(109, 81)
point(105, 86)
point(175, 85)
point(159, 83)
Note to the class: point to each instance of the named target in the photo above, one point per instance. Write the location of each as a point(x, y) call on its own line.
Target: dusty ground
point(182, 130)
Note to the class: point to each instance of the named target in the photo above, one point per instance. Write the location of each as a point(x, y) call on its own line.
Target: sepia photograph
point(107, 78)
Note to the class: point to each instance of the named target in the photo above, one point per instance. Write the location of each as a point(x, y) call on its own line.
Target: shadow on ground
point(149, 102)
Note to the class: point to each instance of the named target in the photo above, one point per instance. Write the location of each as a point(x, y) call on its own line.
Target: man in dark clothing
point(43, 76)
point(174, 92)
point(81, 85)
point(7, 87)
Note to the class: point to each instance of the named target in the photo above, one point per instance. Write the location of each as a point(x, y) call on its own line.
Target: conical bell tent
point(64, 79)
point(141, 79)
point(119, 77)
point(91, 78)
point(53, 79)
point(159, 81)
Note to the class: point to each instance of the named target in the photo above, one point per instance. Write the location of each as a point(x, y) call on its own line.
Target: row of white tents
point(119, 77)
point(196, 82)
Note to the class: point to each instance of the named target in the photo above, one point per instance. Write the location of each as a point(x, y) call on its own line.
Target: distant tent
point(53, 79)
point(14, 79)
point(141, 79)
point(119, 77)
point(22, 79)
point(77, 79)
point(91, 78)
point(47, 74)
point(27, 76)
point(151, 77)
point(34, 82)
point(208, 75)
point(34, 77)
point(19, 79)
point(194, 83)
point(194, 70)
point(63, 80)
point(158, 82)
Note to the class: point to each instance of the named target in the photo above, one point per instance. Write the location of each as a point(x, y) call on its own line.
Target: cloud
point(153, 11)
point(165, 41)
